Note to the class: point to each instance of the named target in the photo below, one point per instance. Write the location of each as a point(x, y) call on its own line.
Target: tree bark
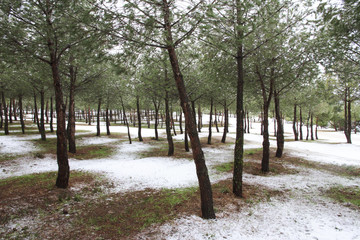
point(207, 208)
point(1, 115)
point(180, 123)
point(71, 119)
point(210, 120)
point(307, 126)
point(6, 123)
point(311, 126)
point(98, 118)
point(216, 122)
point(21, 115)
point(301, 124)
point(125, 120)
point(10, 110)
point(223, 139)
point(167, 122)
point(296, 135)
point(107, 122)
point(62, 180)
point(156, 106)
point(139, 118)
point(42, 119)
point(316, 128)
point(51, 115)
point(14, 109)
point(199, 119)
point(280, 128)
point(47, 111)
point(36, 116)
point(239, 142)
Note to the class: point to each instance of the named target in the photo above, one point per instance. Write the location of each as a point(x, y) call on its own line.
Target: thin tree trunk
point(156, 106)
point(107, 122)
point(21, 115)
point(51, 115)
point(180, 122)
point(139, 118)
point(36, 116)
point(1, 115)
point(199, 119)
point(47, 111)
point(71, 119)
point(280, 128)
point(14, 109)
point(125, 120)
point(223, 139)
point(98, 119)
point(216, 122)
point(311, 125)
point(301, 124)
point(248, 121)
point(10, 110)
point(172, 122)
point(167, 122)
point(42, 119)
point(307, 126)
point(6, 124)
point(207, 208)
point(210, 120)
point(294, 125)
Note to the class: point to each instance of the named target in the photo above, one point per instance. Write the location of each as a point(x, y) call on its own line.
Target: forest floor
point(134, 191)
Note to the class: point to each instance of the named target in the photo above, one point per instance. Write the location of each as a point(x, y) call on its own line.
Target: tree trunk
point(199, 119)
point(36, 116)
point(10, 110)
point(248, 122)
point(316, 128)
point(42, 119)
point(14, 109)
point(266, 144)
point(194, 111)
point(6, 124)
point(125, 120)
point(180, 122)
point(280, 128)
point(21, 115)
point(156, 106)
point(301, 124)
point(47, 111)
point(98, 119)
point(172, 122)
point(51, 115)
point(1, 115)
point(307, 126)
point(216, 122)
point(210, 120)
point(107, 122)
point(223, 139)
point(207, 208)
point(62, 180)
point(311, 126)
point(167, 122)
point(239, 142)
point(294, 125)
point(139, 118)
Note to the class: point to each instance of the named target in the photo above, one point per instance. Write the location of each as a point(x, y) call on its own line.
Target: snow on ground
point(15, 145)
point(302, 214)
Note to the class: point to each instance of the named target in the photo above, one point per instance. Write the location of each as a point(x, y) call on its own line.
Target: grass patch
point(82, 152)
point(128, 214)
point(349, 195)
point(252, 164)
point(29, 194)
point(160, 149)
